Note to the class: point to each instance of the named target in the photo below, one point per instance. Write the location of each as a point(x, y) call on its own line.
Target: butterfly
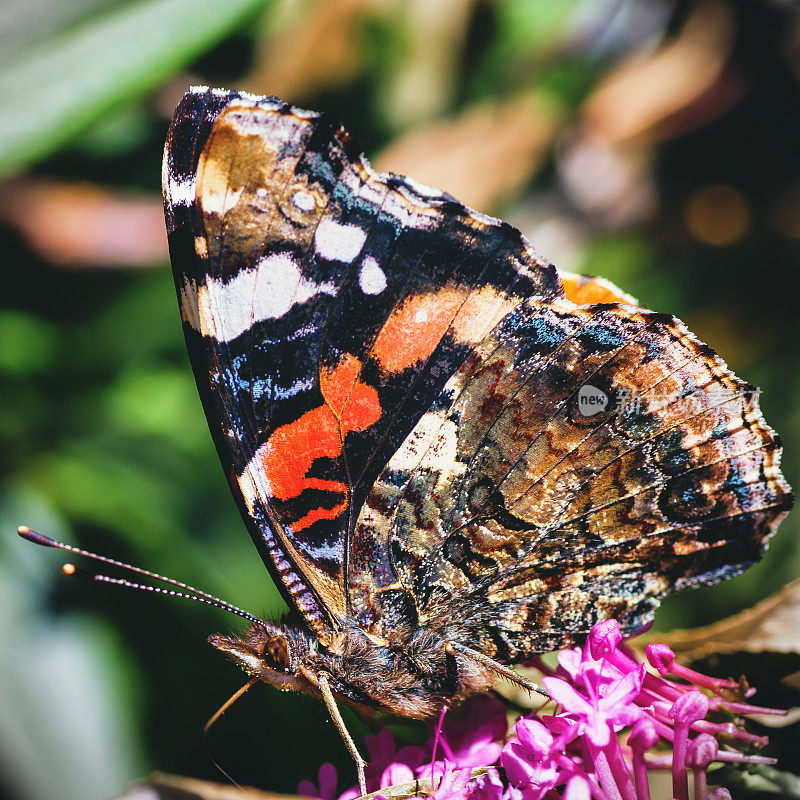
point(449, 455)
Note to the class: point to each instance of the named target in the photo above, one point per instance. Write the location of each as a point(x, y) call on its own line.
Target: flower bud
point(661, 657)
point(702, 751)
point(643, 735)
point(689, 707)
point(604, 638)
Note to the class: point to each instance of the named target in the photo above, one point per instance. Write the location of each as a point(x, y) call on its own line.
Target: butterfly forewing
point(325, 307)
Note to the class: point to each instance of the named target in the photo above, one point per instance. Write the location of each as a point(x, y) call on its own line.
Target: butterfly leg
point(333, 710)
point(495, 666)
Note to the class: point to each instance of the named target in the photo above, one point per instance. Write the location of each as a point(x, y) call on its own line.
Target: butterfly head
point(272, 653)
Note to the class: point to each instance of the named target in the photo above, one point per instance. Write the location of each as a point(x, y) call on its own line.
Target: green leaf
point(756, 781)
point(56, 89)
point(533, 25)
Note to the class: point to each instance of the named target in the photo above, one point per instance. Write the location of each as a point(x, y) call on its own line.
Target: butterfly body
point(412, 676)
point(425, 425)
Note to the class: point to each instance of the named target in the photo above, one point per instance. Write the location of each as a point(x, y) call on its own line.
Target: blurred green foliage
point(104, 443)
point(66, 81)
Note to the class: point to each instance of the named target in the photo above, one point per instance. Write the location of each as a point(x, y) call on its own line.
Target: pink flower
point(604, 708)
point(577, 753)
point(476, 741)
point(327, 784)
point(527, 771)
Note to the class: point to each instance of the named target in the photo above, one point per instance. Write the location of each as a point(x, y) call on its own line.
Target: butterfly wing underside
point(517, 500)
point(400, 394)
point(325, 307)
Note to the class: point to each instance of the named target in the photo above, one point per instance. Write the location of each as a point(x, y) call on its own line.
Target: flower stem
point(604, 773)
point(619, 769)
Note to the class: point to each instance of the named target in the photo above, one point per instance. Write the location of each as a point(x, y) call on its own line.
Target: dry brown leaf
point(482, 156)
point(772, 626)
point(639, 96)
point(312, 47)
point(73, 224)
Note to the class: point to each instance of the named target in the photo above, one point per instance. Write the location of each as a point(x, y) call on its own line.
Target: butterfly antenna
point(215, 716)
point(189, 592)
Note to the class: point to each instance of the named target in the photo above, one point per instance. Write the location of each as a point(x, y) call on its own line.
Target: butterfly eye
point(277, 654)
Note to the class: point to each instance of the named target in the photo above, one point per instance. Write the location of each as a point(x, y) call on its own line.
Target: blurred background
point(654, 143)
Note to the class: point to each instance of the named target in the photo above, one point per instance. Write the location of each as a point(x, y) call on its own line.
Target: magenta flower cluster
point(615, 723)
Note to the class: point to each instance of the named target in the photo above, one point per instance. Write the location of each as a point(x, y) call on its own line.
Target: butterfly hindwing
point(513, 500)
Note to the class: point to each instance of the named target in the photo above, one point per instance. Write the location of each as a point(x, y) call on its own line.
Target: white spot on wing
point(336, 241)
point(303, 200)
point(267, 291)
point(180, 191)
point(371, 278)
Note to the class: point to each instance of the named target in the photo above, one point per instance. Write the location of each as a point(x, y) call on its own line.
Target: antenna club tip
point(68, 569)
point(37, 538)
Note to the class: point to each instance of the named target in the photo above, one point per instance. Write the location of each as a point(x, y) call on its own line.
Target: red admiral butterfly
point(449, 455)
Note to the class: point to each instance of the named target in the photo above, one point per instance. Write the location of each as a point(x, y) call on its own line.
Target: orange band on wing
point(585, 290)
point(350, 405)
point(413, 331)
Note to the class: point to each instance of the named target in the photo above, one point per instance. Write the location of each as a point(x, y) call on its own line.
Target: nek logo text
point(591, 400)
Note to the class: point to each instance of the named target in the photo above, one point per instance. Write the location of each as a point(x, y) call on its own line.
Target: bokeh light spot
point(717, 215)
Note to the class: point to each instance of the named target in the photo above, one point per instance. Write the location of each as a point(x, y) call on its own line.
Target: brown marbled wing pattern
point(506, 501)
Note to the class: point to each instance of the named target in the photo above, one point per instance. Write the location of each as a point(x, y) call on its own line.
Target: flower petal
point(577, 788)
point(566, 696)
point(535, 736)
point(307, 789)
point(396, 773)
point(328, 781)
point(518, 764)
